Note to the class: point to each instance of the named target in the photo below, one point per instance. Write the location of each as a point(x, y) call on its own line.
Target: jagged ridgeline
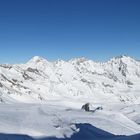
point(39, 80)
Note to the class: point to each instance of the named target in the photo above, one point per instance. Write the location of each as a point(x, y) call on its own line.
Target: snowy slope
point(42, 98)
point(50, 120)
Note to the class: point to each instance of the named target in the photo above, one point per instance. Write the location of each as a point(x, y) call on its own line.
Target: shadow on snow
point(87, 132)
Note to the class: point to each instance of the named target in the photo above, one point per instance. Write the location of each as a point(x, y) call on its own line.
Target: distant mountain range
point(38, 81)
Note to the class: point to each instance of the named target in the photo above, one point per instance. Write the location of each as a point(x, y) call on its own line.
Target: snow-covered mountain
point(44, 99)
point(39, 80)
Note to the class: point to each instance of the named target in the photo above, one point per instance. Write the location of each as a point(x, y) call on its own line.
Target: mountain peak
point(36, 59)
point(78, 60)
point(123, 58)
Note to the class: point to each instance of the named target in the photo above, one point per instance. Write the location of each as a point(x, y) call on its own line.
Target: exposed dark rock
point(27, 77)
point(14, 80)
point(32, 70)
point(86, 107)
point(123, 68)
point(129, 83)
point(6, 66)
point(107, 85)
point(1, 85)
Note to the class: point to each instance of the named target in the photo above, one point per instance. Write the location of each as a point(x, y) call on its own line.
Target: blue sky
point(63, 29)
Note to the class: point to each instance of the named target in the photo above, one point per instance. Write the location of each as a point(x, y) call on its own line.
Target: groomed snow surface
point(42, 100)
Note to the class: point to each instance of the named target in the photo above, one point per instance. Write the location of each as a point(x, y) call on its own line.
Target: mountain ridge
point(39, 79)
